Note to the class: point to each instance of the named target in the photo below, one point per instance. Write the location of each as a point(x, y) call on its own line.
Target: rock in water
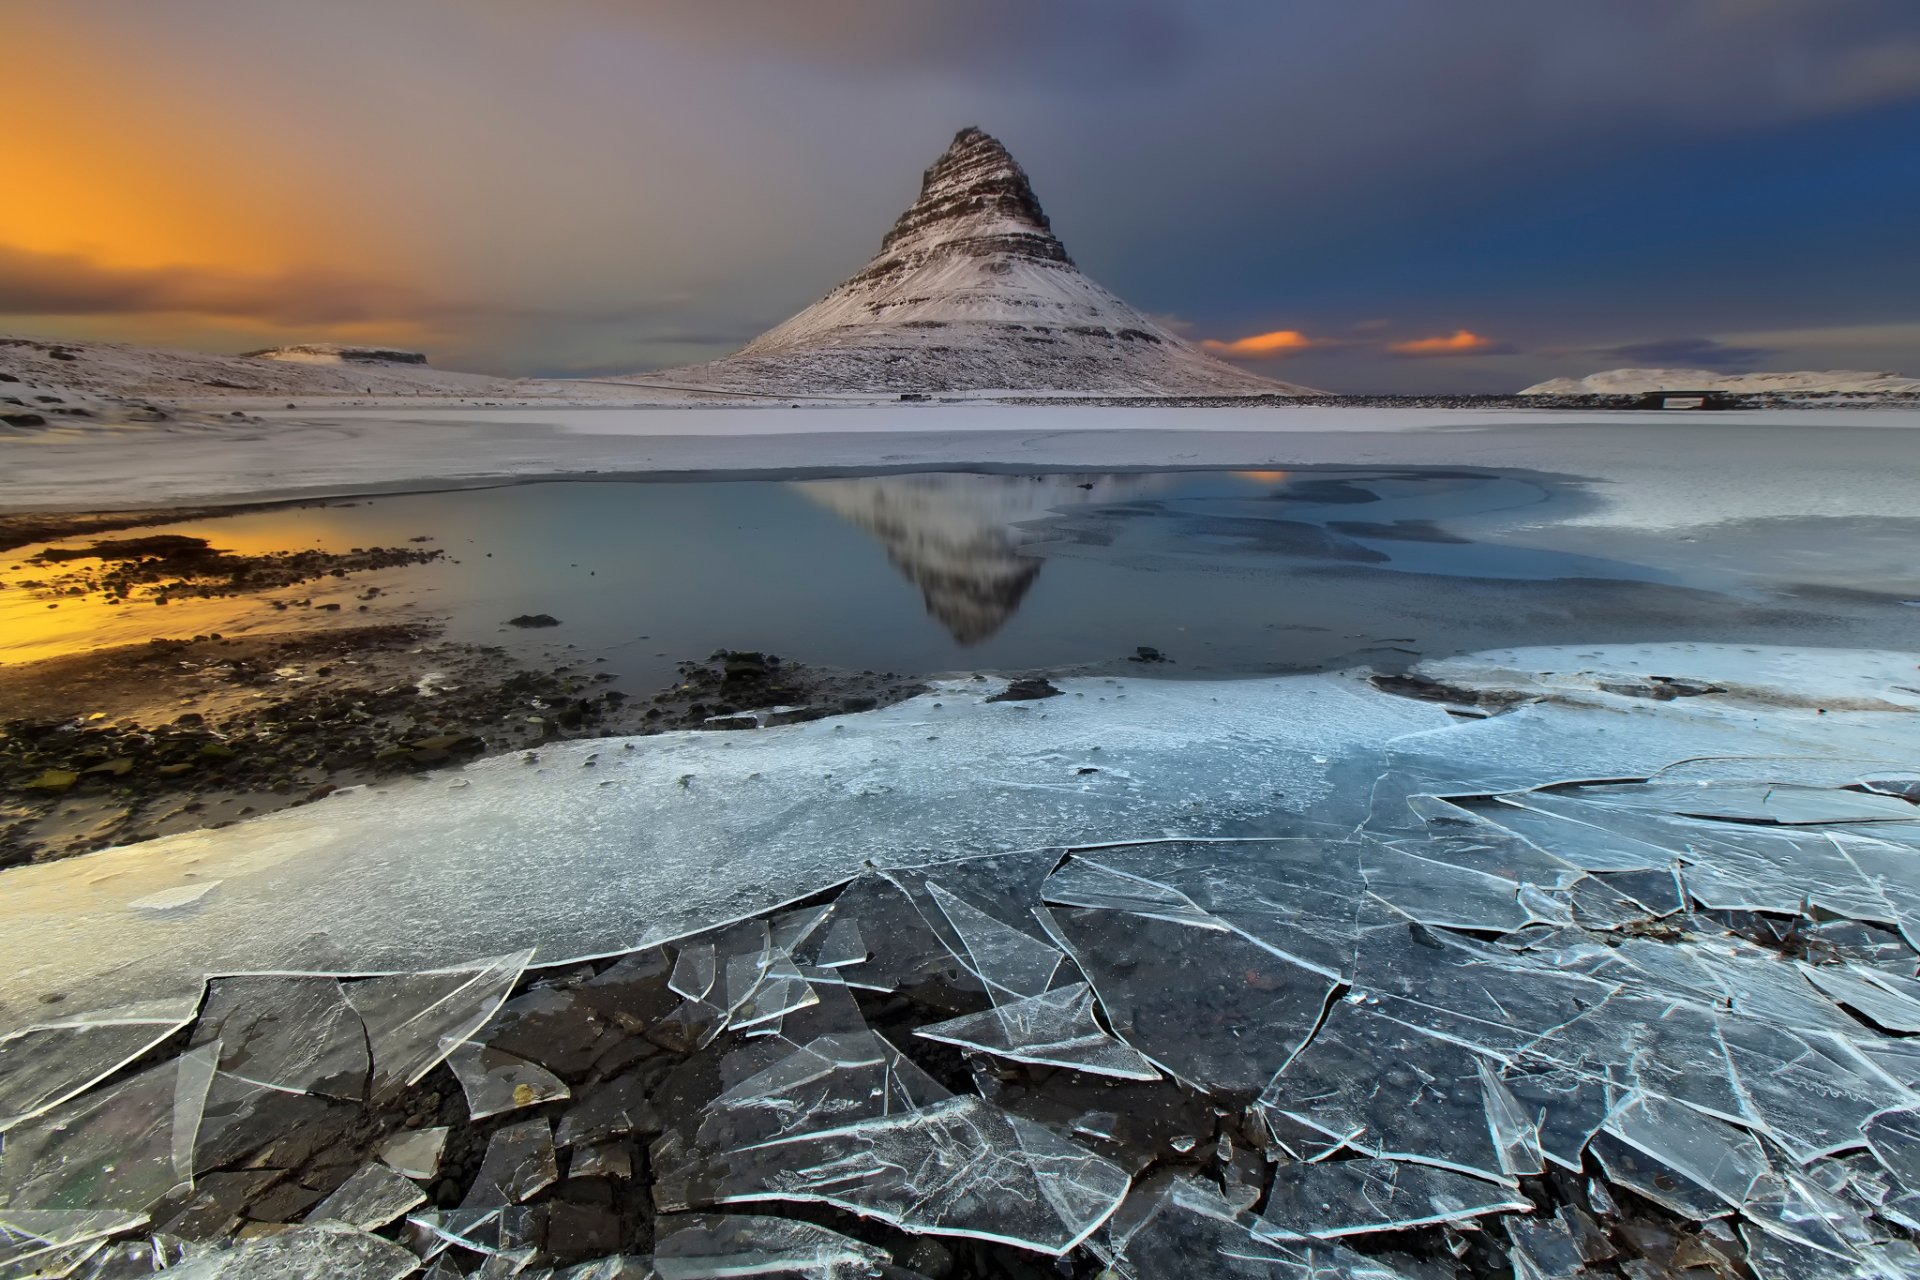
point(972, 291)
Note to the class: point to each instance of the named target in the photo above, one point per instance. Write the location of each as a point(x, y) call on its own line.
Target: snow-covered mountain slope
point(1626, 382)
point(117, 369)
point(971, 291)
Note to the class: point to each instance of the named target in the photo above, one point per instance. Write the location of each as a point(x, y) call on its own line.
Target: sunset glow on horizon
point(1460, 342)
point(1261, 346)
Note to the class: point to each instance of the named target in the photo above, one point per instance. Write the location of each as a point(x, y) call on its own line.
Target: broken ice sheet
point(1791, 1205)
point(616, 1267)
point(369, 1200)
point(43, 1066)
point(321, 1251)
point(954, 1167)
point(1212, 1008)
point(1386, 1090)
point(413, 1020)
point(496, 1081)
point(114, 1148)
point(293, 1033)
point(1053, 1029)
point(702, 1246)
point(1334, 1198)
point(833, 1080)
point(518, 1163)
point(902, 949)
point(415, 1152)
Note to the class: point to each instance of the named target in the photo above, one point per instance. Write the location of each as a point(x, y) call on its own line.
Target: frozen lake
point(1224, 572)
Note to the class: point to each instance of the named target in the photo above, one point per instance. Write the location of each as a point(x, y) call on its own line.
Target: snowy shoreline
point(1665, 472)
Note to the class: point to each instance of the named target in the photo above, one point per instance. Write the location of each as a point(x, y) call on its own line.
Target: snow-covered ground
point(1627, 382)
point(1652, 473)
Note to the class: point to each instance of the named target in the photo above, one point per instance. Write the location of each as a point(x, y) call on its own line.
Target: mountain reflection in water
point(959, 537)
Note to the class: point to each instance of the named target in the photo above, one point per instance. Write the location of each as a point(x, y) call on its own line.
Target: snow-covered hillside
point(970, 291)
point(117, 369)
point(1627, 382)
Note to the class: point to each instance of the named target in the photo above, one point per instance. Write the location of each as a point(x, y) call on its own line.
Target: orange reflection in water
point(1265, 477)
point(36, 624)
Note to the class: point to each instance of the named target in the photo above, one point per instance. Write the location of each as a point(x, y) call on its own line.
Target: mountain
point(972, 291)
point(1627, 382)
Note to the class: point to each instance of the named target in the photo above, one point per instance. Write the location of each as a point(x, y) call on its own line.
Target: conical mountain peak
point(975, 196)
point(972, 291)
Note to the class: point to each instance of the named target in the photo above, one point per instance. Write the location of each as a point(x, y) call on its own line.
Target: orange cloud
point(1462, 343)
point(1262, 346)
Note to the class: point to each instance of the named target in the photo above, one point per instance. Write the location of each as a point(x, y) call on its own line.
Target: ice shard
point(1056, 1028)
point(1012, 964)
point(518, 1163)
point(415, 1152)
point(292, 1033)
point(702, 1246)
point(1382, 1088)
point(1333, 1198)
point(414, 1020)
point(369, 1200)
point(1298, 898)
point(496, 1081)
point(956, 1167)
point(848, 1121)
point(323, 1251)
point(117, 1148)
point(30, 1238)
point(1180, 1227)
point(1212, 1008)
point(1706, 1152)
point(44, 1065)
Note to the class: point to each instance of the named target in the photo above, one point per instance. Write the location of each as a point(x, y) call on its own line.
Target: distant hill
point(118, 369)
point(1622, 382)
point(972, 291)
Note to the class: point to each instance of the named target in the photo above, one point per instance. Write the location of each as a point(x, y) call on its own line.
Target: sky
point(1359, 195)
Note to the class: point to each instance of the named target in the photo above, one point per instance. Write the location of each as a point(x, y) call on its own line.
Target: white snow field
point(1655, 471)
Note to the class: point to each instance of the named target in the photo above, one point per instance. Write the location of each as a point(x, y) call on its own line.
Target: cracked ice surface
point(1526, 1007)
point(523, 856)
